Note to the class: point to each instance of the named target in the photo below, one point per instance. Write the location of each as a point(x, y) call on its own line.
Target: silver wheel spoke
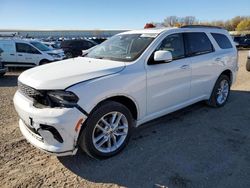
point(120, 133)
point(118, 121)
point(122, 127)
point(114, 140)
point(109, 143)
point(102, 142)
point(101, 128)
point(99, 137)
point(113, 117)
point(105, 122)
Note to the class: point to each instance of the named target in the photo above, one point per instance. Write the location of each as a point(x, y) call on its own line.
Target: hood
point(62, 74)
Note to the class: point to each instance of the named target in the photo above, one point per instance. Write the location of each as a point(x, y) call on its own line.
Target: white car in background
point(27, 53)
point(94, 102)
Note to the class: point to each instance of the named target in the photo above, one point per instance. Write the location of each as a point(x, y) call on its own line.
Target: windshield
point(40, 46)
point(127, 47)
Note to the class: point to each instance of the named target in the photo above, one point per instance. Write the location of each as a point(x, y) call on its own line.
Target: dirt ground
point(194, 147)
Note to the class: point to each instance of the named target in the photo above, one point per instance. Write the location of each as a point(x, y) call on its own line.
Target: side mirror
point(162, 55)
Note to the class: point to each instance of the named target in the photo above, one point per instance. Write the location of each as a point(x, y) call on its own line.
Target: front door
point(168, 83)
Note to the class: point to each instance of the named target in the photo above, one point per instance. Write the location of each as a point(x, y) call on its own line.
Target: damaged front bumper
point(53, 130)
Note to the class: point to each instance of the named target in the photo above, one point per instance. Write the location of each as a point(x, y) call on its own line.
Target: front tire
point(44, 62)
point(107, 130)
point(220, 92)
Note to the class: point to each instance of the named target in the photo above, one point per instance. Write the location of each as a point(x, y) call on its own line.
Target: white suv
point(27, 53)
point(94, 102)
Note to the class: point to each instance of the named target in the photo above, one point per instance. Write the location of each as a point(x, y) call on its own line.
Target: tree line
point(238, 23)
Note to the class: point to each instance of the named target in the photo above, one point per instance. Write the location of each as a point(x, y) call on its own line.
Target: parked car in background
point(52, 45)
point(27, 53)
point(94, 102)
point(73, 48)
point(98, 40)
point(3, 69)
point(242, 41)
point(248, 62)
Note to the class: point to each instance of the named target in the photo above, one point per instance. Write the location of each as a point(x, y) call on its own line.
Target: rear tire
point(220, 92)
point(107, 130)
point(69, 55)
point(43, 62)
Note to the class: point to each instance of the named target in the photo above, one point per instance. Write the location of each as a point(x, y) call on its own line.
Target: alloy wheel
point(110, 132)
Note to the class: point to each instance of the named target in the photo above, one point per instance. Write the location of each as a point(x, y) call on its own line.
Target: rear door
point(9, 54)
point(27, 54)
point(200, 53)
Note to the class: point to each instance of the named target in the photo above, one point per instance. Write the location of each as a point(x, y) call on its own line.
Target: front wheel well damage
point(126, 101)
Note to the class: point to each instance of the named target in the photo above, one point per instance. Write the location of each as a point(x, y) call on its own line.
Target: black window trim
point(31, 46)
point(185, 49)
point(200, 53)
point(214, 33)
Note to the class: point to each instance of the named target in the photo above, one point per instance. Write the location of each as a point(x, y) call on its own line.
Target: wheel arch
point(229, 74)
point(125, 100)
point(43, 60)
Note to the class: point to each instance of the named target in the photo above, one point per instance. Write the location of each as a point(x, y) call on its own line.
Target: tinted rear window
point(72, 43)
point(197, 43)
point(222, 40)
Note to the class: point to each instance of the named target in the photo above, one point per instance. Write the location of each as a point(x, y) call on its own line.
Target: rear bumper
point(34, 123)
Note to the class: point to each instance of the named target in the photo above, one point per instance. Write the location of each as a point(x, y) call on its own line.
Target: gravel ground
point(194, 147)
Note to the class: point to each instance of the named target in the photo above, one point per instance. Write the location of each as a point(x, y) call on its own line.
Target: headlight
point(62, 98)
point(54, 55)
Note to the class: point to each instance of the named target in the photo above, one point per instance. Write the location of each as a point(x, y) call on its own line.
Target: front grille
point(40, 98)
point(28, 91)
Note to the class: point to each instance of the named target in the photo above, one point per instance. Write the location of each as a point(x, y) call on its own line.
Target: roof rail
point(201, 26)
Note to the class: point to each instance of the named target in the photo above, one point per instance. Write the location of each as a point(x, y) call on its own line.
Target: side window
point(26, 48)
point(222, 40)
point(21, 47)
point(32, 50)
point(197, 43)
point(174, 44)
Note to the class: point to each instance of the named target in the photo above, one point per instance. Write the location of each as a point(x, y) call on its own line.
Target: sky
point(111, 14)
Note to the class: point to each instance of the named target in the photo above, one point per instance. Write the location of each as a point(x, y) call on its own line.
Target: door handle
point(12, 54)
point(20, 55)
point(184, 67)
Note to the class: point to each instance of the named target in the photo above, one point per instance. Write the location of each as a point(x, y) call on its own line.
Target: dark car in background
point(2, 67)
point(98, 40)
point(73, 48)
point(242, 41)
